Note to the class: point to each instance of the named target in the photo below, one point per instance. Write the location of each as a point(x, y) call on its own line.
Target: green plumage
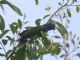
point(35, 31)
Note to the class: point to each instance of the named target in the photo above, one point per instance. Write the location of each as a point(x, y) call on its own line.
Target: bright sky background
point(32, 12)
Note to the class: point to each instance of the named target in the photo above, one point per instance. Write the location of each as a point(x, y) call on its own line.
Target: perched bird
point(36, 31)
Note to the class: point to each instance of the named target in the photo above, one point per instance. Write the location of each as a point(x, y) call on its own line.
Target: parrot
point(36, 31)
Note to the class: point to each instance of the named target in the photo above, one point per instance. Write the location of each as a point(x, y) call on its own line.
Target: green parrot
point(36, 31)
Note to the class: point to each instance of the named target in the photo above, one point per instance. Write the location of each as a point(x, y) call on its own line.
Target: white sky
point(32, 11)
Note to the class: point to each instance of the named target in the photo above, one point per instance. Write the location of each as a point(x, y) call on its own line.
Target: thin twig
point(60, 17)
point(73, 5)
point(57, 11)
point(60, 9)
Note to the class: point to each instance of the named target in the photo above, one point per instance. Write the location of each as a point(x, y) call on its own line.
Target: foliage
point(34, 48)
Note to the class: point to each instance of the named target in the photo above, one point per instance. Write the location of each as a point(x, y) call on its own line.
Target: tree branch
point(57, 11)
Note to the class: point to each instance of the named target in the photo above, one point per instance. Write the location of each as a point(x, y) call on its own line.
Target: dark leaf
point(56, 51)
point(43, 52)
point(19, 23)
point(62, 55)
point(74, 0)
point(26, 22)
point(4, 41)
point(67, 45)
point(56, 36)
point(45, 40)
point(46, 16)
point(14, 27)
point(3, 1)
point(16, 9)
point(9, 38)
point(38, 22)
point(73, 41)
point(20, 54)
point(2, 23)
point(3, 33)
point(62, 30)
point(77, 9)
point(36, 2)
point(56, 44)
point(2, 54)
point(0, 48)
point(69, 13)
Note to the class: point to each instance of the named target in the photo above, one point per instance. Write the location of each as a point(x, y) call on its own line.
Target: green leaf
point(56, 51)
point(57, 48)
point(2, 54)
point(3, 1)
point(3, 33)
point(8, 37)
point(56, 44)
point(4, 41)
point(56, 36)
point(48, 7)
point(36, 1)
point(43, 52)
point(19, 23)
point(62, 30)
point(45, 40)
point(2, 7)
point(46, 16)
point(74, 0)
point(2, 23)
point(20, 54)
point(14, 27)
point(69, 13)
point(38, 22)
point(77, 9)
point(16, 9)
